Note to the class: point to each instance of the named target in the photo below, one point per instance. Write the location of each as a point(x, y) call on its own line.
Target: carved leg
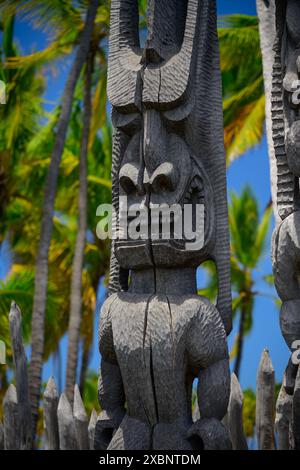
point(286, 258)
point(132, 434)
point(110, 390)
point(112, 400)
point(213, 397)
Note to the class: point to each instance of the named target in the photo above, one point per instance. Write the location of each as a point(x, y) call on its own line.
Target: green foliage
point(248, 231)
point(90, 395)
point(249, 412)
point(27, 136)
point(243, 87)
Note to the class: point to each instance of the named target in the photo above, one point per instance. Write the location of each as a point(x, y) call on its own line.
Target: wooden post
point(11, 420)
point(20, 362)
point(91, 428)
point(1, 436)
point(66, 425)
point(283, 418)
point(80, 420)
point(296, 412)
point(156, 165)
point(50, 415)
point(265, 403)
point(235, 416)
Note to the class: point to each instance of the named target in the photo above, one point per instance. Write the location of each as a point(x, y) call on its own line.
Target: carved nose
point(164, 178)
point(130, 180)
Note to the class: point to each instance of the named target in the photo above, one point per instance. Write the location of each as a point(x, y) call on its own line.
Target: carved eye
point(130, 123)
point(177, 115)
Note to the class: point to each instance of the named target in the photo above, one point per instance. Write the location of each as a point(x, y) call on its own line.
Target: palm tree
point(76, 283)
point(41, 272)
point(243, 86)
point(248, 237)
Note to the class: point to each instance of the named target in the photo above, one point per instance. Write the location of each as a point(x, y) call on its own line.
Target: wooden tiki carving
point(156, 334)
point(286, 136)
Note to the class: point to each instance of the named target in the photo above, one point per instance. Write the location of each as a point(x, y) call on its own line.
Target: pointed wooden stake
point(20, 361)
point(50, 415)
point(265, 403)
point(11, 420)
point(296, 412)
point(235, 416)
point(91, 428)
point(81, 420)
point(283, 418)
point(66, 426)
point(1, 436)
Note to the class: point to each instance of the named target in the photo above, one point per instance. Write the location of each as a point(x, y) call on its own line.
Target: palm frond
point(246, 130)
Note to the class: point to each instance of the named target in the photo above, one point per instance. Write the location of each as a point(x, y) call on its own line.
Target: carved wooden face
point(151, 91)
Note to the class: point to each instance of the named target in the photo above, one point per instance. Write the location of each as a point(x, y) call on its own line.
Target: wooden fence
point(66, 428)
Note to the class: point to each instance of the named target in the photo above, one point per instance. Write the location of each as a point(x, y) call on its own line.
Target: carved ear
point(118, 277)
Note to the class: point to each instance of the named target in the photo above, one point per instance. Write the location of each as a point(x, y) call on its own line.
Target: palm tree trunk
point(240, 344)
point(76, 282)
point(84, 364)
point(41, 273)
point(267, 31)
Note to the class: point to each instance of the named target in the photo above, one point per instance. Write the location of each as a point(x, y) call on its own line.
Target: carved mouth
point(176, 223)
point(193, 196)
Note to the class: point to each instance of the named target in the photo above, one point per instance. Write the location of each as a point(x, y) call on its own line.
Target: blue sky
point(251, 169)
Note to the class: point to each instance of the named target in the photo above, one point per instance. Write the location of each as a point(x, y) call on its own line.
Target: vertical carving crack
point(153, 383)
point(172, 333)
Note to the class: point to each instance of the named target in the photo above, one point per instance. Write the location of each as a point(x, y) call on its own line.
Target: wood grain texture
point(11, 420)
point(296, 412)
point(265, 403)
point(20, 363)
point(80, 420)
point(50, 415)
point(1, 436)
point(66, 425)
point(235, 416)
point(91, 429)
point(283, 418)
point(285, 242)
point(156, 335)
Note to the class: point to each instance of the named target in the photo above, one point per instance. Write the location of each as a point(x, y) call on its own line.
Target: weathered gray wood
point(283, 418)
point(1, 436)
point(267, 32)
point(80, 420)
point(235, 416)
point(11, 420)
point(159, 335)
point(91, 429)
point(265, 403)
point(286, 240)
point(20, 362)
point(50, 415)
point(66, 425)
point(296, 412)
